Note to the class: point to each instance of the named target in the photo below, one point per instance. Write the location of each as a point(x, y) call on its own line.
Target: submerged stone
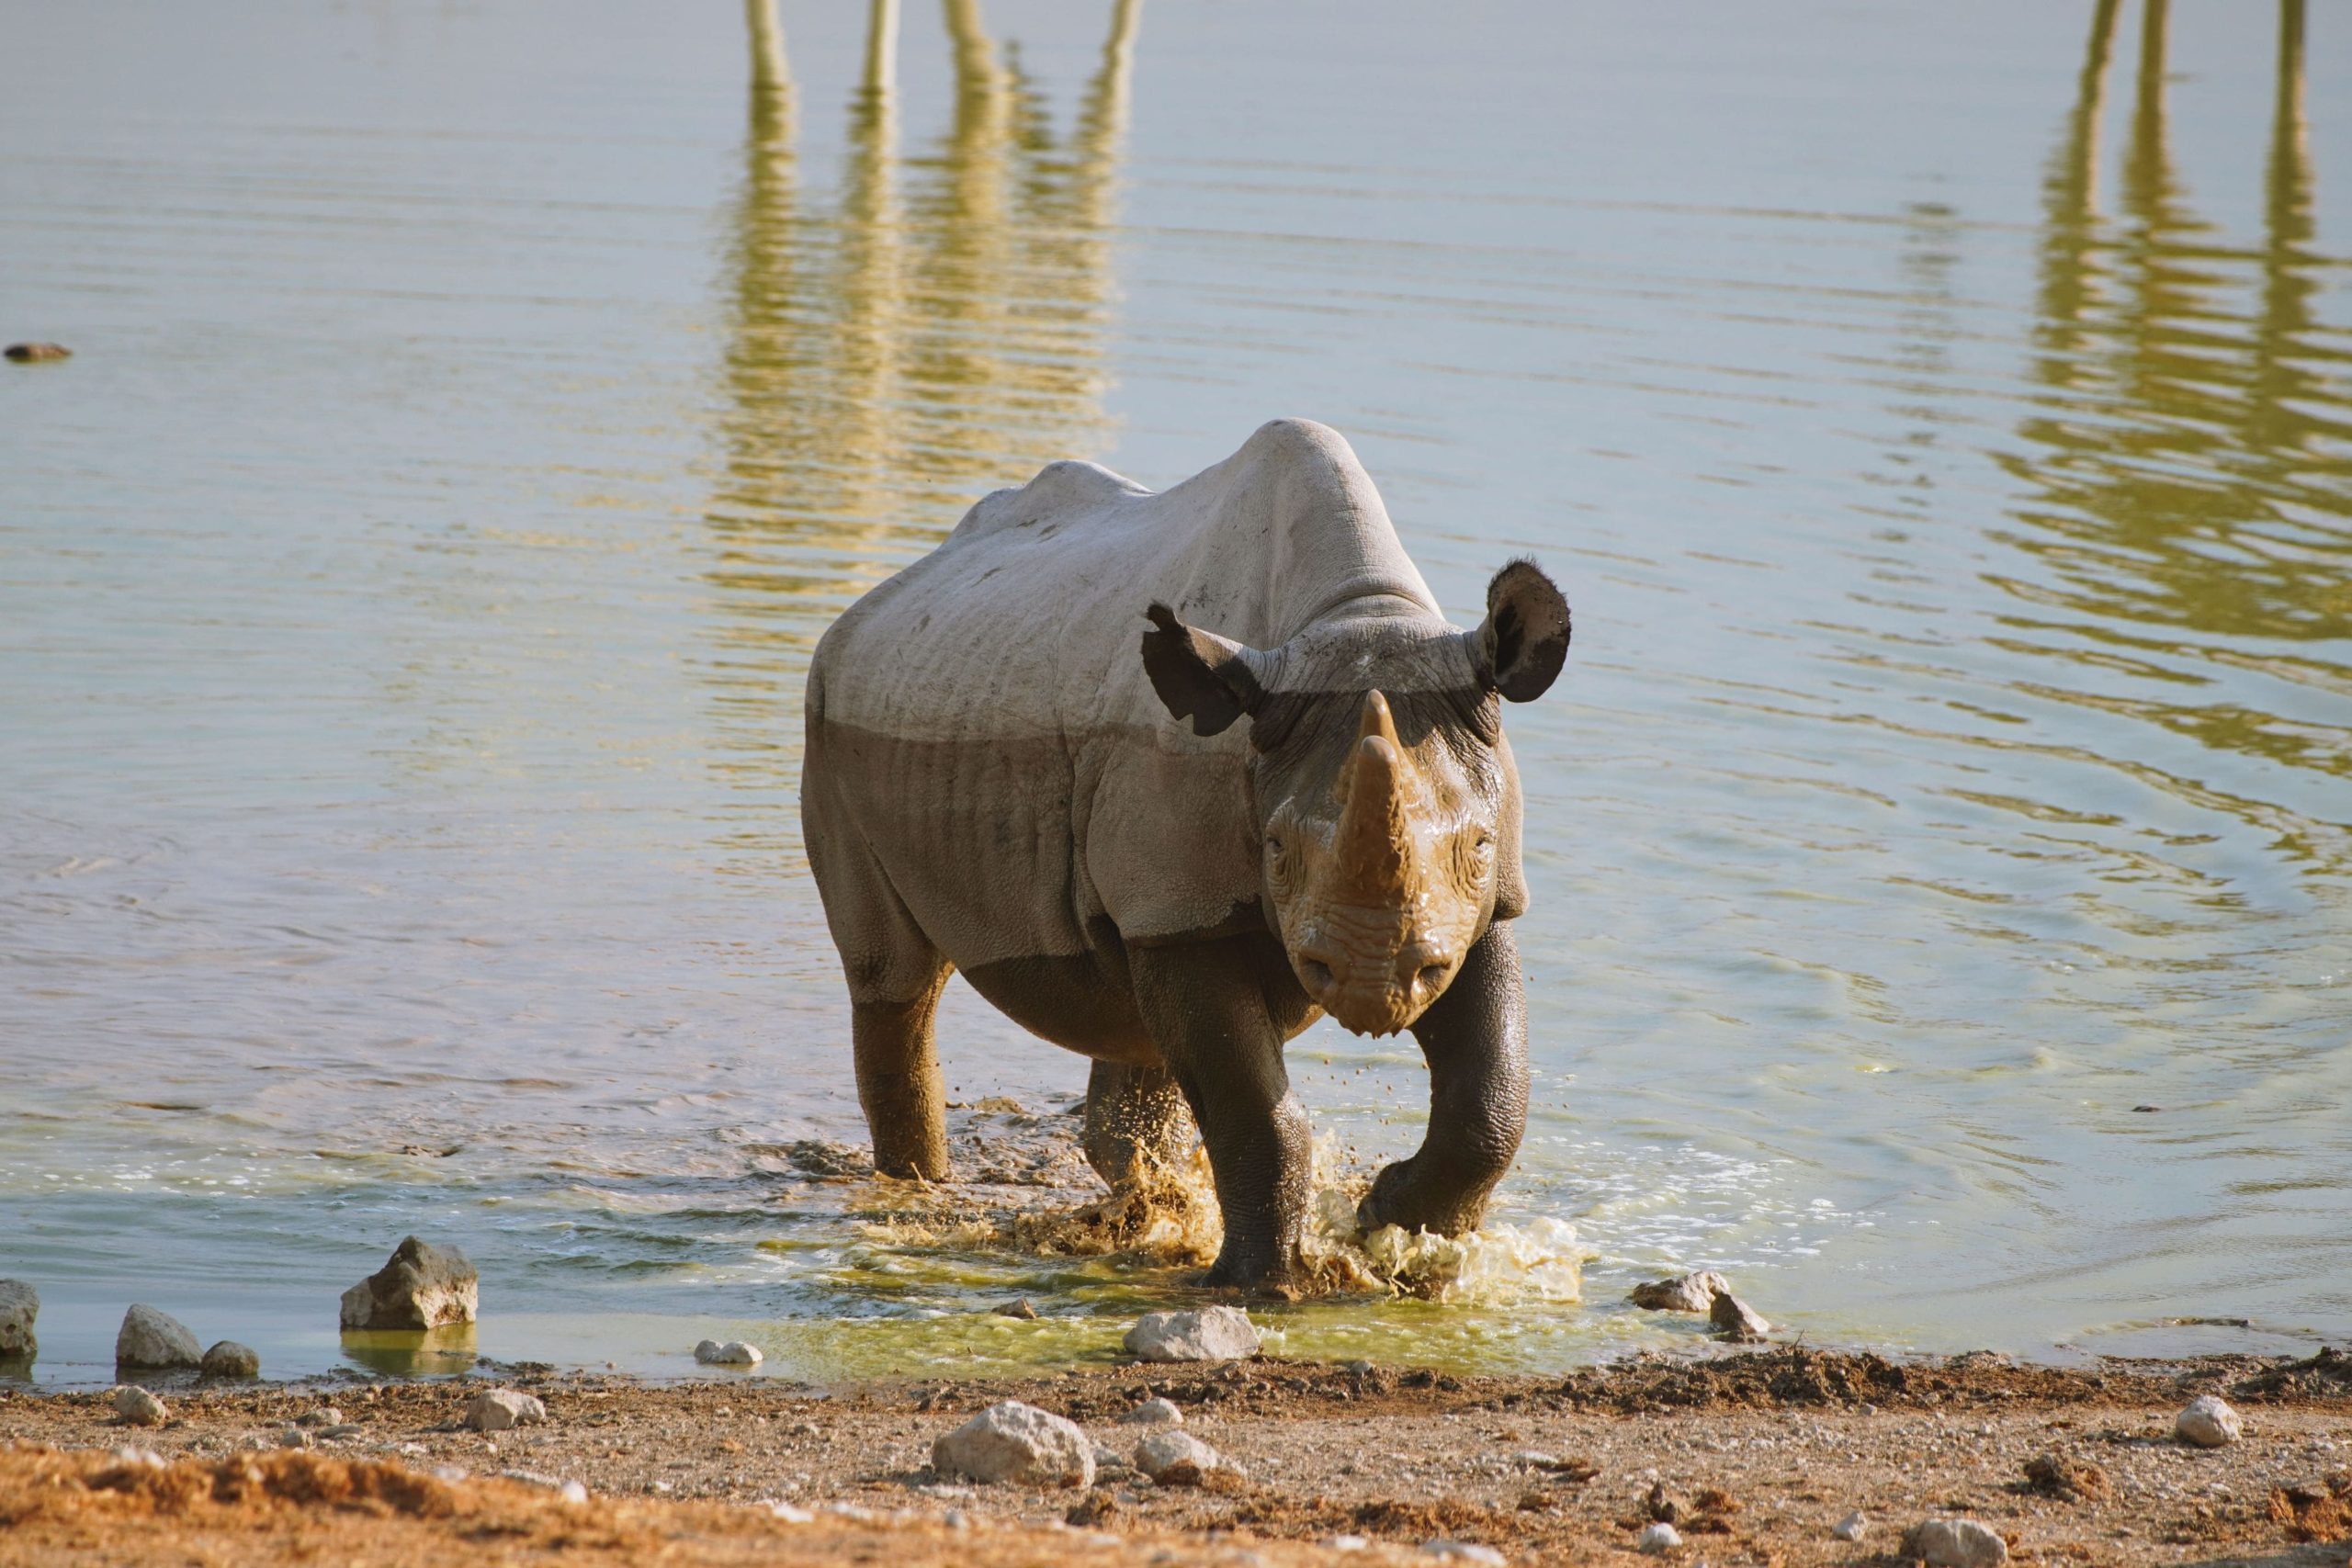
point(230, 1360)
point(19, 1309)
point(152, 1339)
point(1687, 1292)
point(421, 1286)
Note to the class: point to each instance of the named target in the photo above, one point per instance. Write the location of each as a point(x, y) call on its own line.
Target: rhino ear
point(1520, 648)
point(1199, 675)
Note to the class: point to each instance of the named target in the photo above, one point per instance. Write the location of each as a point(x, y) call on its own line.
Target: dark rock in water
point(152, 1339)
point(1736, 1320)
point(230, 1359)
point(19, 1308)
point(35, 353)
point(422, 1286)
point(1025, 1308)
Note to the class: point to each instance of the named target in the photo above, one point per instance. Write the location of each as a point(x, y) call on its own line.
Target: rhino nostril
point(1317, 973)
point(1433, 975)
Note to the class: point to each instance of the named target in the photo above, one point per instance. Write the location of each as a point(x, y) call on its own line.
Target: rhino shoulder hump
point(1060, 491)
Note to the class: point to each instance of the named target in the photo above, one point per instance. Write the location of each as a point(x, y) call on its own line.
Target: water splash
point(1169, 1218)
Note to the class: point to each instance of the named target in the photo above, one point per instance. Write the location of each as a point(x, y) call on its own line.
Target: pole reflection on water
point(935, 333)
point(2188, 502)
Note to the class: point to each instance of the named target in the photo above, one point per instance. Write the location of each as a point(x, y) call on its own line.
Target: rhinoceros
point(1027, 761)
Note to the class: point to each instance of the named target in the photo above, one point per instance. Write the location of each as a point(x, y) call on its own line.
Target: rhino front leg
point(1474, 1038)
point(1207, 1010)
point(1134, 1115)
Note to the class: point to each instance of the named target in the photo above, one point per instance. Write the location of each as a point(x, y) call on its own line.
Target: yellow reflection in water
point(2192, 472)
point(2188, 426)
point(933, 331)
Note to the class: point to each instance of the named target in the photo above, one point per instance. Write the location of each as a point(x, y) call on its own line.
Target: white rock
point(1180, 1459)
point(296, 1437)
point(573, 1492)
point(230, 1360)
point(1012, 1441)
point(1211, 1334)
point(791, 1513)
point(1657, 1538)
point(1853, 1526)
point(1461, 1550)
point(1956, 1543)
point(19, 1308)
point(1155, 1413)
point(140, 1409)
point(495, 1410)
point(731, 1353)
point(324, 1416)
point(1689, 1292)
point(1535, 1458)
point(1345, 1542)
point(152, 1339)
point(2208, 1422)
point(145, 1459)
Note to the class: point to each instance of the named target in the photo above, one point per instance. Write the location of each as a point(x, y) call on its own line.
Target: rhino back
point(983, 723)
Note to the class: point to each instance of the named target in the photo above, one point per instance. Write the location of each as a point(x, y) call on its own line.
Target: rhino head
point(1385, 794)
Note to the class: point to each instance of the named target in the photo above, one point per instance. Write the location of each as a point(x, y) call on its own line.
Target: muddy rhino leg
point(1474, 1038)
point(1132, 1113)
point(899, 1086)
point(1207, 1010)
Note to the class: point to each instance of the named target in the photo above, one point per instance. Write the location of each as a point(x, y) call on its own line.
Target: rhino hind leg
point(1474, 1038)
point(1134, 1117)
point(900, 1087)
point(1209, 1013)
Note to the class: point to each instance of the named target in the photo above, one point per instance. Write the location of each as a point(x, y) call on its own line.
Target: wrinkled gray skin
point(1166, 776)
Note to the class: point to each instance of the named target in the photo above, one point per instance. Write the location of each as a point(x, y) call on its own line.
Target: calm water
point(1941, 421)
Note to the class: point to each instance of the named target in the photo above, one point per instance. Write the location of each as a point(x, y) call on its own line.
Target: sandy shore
point(1756, 1455)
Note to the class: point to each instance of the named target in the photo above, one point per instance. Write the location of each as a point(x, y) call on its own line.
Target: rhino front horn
point(1371, 847)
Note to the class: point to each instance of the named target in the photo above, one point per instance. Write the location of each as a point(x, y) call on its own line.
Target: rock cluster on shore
point(422, 1286)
